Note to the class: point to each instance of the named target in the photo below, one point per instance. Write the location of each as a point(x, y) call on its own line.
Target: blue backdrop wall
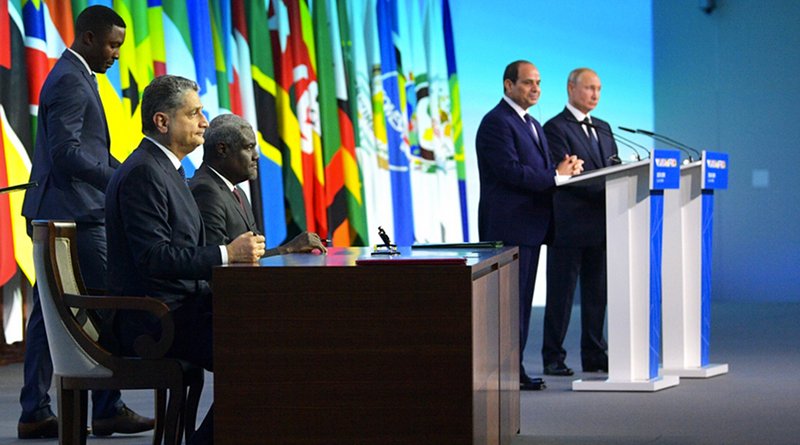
point(726, 81)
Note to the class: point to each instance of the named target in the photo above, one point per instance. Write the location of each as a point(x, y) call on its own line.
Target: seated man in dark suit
point(230, 156)
point(156, 240)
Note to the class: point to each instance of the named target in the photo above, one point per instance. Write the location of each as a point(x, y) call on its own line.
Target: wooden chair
point(80, 363)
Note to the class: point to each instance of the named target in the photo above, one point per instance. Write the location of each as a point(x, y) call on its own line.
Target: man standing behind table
point(230, 156)
point(517, 181)
point(579, 243)
point(72, 165)
point(156, 235)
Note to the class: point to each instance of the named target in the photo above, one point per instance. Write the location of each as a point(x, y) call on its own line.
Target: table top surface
point(347, 256)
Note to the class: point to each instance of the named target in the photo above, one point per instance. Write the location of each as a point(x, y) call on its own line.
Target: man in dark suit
point(72, 165)
point(156, 235)
point(579, 244)
point(230, 156)
point(517, 181)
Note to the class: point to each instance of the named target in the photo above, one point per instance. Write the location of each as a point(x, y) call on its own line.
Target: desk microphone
point(661, 138)
point(624, 141)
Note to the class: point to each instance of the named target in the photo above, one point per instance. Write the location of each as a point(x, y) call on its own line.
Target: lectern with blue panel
point(688, 229)
point(634, 224)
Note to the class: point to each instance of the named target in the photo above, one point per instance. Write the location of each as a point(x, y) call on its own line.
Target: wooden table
point(313, 349)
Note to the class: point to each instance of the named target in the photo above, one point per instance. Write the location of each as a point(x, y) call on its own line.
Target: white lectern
point(634, 211)
point(688, 224)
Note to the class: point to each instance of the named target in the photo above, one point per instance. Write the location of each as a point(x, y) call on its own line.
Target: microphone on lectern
point(624, 141)
point(661, 138)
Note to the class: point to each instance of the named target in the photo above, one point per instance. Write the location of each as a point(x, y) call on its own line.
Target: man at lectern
point(517, 182)
point(578, 249)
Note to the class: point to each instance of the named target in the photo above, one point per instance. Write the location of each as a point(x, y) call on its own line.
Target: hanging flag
point(338, 147)
point(395, 128)
point(448, 207)
point(288, 124)
point(299, 80)
point(424, 182)
point(360, 92)
point(16, 144)
point(345, 94)
point(121, 86)
point(455, 114)
point(224, 57)
point(44, 44)
point(155, 23)
point(259, 108)
point(179, 57)
point(335, 206)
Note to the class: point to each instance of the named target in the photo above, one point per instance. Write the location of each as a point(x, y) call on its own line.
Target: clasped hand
point(570, 166)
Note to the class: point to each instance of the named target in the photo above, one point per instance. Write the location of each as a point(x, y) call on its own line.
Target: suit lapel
point(541, 143)
point(229, 196)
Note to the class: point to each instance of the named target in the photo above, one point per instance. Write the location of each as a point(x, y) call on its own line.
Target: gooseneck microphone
point(624, 141)
point(667, 140)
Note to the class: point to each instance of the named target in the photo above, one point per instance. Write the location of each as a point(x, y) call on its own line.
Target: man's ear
point(161, 120)
point(222, 150)
point(87, 38)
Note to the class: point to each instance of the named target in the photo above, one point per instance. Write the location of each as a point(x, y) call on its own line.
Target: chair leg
point(73, 413)
point(160, 409)
point(175, 406)
point(195, 383)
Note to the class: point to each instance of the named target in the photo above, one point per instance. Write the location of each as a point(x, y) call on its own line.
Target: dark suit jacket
point(222, 215)
point(517, 179)
point(71, 159)
point(156, 240)
point(579, 212)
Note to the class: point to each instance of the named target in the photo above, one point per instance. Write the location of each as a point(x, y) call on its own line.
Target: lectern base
point(651, 385)
point(702, 372)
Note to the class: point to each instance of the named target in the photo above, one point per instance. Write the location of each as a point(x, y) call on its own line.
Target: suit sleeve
point(148, 221)
point(65, 124)
point(496, 144)
point(213, 212)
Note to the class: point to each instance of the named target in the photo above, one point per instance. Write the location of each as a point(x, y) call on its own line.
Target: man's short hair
point(98, 19)
point(512, 70)
point(165, 95)
point(575, 74)
point(225, 128)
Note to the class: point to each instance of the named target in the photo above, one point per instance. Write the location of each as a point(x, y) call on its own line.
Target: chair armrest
point(145, 345)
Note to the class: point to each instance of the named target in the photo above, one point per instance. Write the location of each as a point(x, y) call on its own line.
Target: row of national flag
point(355, 105)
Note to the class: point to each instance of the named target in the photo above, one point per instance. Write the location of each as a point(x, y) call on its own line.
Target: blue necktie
point(529, 120)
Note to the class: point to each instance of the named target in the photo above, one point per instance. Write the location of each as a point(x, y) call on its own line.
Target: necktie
point(529, 120)
point(593, 141)
point(238, 198)
point(94, 80)
point(182, 172)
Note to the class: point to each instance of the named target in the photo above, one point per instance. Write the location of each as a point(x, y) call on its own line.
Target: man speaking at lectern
point(517, 181)
point(579, 239)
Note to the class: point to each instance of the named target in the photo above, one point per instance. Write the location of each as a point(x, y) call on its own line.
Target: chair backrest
point(71, 334)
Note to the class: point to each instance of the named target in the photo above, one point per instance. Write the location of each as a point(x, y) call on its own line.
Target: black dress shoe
point(531, 383)
point(46, 428)
point(558, 369)
point(125, 422)
point(596, 367)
